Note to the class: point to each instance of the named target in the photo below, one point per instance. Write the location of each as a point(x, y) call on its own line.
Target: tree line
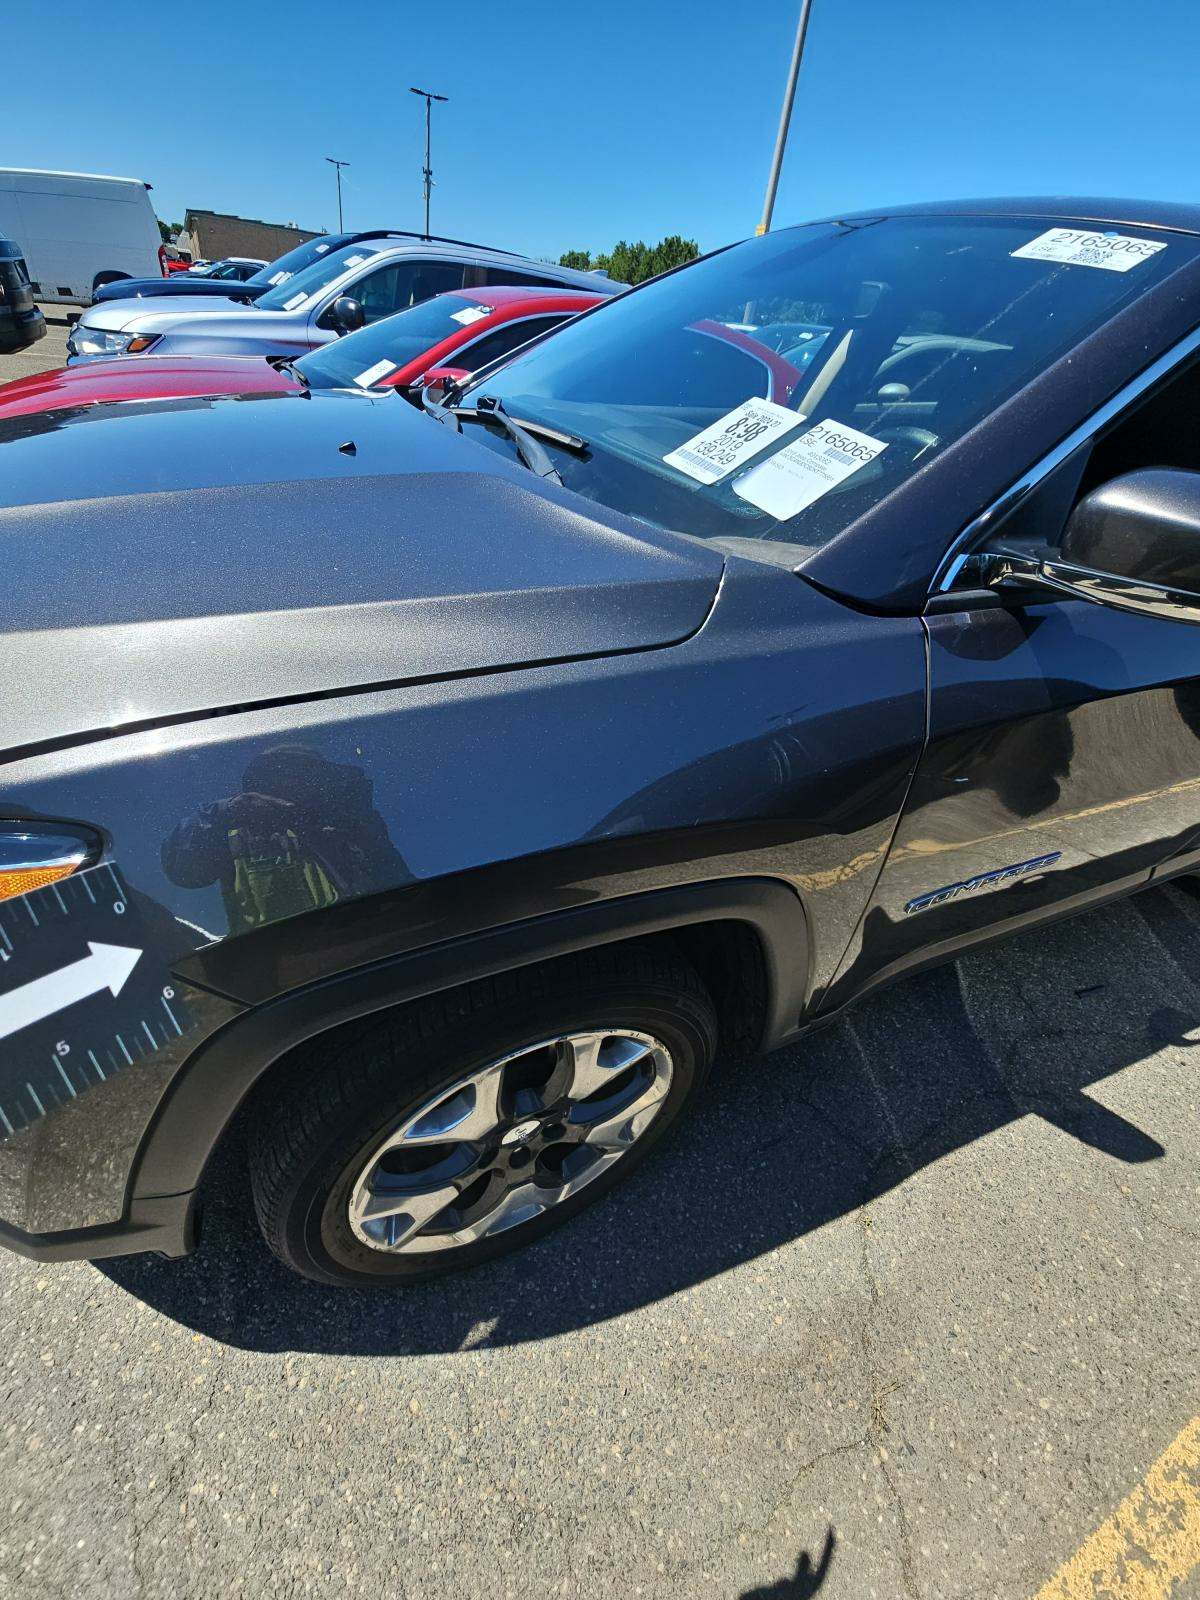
point(634, 263)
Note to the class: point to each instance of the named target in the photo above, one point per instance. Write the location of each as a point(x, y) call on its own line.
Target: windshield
point(315, 277)
point(276, 272)
point(375, 352)
point(778, 389)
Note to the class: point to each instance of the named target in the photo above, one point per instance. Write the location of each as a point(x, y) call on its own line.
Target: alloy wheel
point(510, 1141)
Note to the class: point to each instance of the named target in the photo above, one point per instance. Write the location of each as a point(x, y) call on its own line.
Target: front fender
point(203, 1097)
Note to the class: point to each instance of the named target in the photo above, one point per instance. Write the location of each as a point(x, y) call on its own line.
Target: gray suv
point(354, 285)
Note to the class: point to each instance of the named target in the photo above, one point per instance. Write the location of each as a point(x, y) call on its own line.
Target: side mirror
point(346, 314)
point(441, 382)
point(1133, 543)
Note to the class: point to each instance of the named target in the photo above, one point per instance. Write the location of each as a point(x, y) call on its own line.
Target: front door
point(1063, 756)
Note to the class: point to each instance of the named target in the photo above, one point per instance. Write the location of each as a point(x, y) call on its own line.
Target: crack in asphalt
point(1152, 1218)
point(881, 1390)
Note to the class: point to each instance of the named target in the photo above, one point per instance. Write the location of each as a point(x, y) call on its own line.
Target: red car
point(172, 260)
point(455, 333)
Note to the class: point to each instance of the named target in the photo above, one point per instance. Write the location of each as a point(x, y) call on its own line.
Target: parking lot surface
point(908, 1311)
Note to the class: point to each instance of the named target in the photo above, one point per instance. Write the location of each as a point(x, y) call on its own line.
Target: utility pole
point(789, 95)
point(338, 165)
point(428, 98)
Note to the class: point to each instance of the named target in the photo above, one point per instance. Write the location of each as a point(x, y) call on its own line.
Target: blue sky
point(648, 117)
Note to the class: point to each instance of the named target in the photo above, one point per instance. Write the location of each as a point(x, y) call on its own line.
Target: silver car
point(352, 286)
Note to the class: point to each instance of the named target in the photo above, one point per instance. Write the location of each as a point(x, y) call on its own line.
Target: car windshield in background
point(778, 389)
point(294, 266)
point(372, 353)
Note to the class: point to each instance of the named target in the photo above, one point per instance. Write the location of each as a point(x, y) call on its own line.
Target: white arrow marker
point(108, 966)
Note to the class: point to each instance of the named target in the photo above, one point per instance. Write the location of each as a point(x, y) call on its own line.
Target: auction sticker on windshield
point(373, 374)
point(1075, 247)
point(470, 314)
point(734, 438)
point(807, 468)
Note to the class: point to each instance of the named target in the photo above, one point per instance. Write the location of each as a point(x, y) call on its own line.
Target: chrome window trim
point(975, 530)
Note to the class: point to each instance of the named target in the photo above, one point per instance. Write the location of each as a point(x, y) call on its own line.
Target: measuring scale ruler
point(85, 992)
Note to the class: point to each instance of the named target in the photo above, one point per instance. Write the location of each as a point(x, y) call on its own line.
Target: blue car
point(243, 285)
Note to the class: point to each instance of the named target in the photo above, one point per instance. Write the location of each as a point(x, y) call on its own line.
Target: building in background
point(210, 235)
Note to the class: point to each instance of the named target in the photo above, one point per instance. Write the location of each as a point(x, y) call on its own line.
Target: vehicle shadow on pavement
point(777, 1148)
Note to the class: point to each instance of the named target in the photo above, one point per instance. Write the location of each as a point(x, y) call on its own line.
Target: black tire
point(341, 1095)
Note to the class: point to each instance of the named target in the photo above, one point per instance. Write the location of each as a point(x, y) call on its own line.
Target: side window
point(1163, 431)
point(404, 283)
point(530, 280)
point(501, 341)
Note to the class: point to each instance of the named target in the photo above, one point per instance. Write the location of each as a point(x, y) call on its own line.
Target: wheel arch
point(748, 938)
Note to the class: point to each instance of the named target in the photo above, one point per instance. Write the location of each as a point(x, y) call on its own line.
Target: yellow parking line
point(1152, 1540)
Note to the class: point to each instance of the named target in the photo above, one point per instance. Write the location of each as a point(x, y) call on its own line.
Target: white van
point(77, 230)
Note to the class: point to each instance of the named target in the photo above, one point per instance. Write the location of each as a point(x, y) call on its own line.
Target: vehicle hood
point(182, 557)
point(156, 288)
point(119, 316)
point(140, 378)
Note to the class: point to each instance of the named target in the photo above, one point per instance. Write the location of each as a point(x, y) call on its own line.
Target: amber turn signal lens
point(14, 883)
point(136, 346)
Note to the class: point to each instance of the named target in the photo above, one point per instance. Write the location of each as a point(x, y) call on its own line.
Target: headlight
point(83, 341)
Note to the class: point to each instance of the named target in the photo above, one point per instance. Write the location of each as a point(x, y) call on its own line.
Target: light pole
point(428, 98)
point(789, 95)
point(338, 165)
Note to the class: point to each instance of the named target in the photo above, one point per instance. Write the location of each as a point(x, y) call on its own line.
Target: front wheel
point(464, 1126)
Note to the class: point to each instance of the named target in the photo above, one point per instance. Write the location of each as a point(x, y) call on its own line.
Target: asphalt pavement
point(909, 1311)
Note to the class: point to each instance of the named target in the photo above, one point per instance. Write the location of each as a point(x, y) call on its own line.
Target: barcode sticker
point(733, 439)
point(1076, 247)
point(373, 374)
point(807, 468)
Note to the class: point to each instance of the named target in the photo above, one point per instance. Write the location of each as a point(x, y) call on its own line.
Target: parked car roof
point(1171, 214)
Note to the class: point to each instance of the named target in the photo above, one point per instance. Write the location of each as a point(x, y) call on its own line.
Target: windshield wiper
point(521, 432)
point(435, 408)
point(489, 404)
point(490, 409)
